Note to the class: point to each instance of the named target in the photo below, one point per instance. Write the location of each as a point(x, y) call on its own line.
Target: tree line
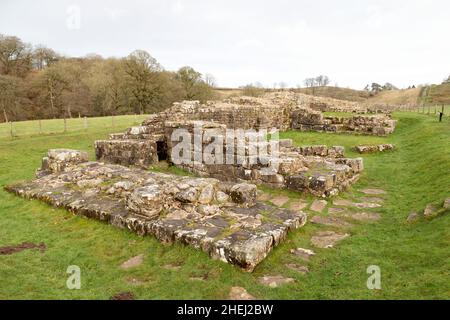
point(37, 83)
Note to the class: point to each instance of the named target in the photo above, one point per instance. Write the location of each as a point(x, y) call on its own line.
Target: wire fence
point(430, 109)
point(50, 126)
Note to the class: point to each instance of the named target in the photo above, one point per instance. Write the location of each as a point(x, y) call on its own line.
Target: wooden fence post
point(40, 126)
point(85, 123)
point(112, 120)
point(65, 124)
point(11, 129)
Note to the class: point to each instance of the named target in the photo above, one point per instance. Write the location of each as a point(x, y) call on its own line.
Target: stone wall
point(311, 120)
point(318, 170)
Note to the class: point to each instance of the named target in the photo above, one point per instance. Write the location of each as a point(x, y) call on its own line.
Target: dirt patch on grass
point(123, 296)
point(21, 247)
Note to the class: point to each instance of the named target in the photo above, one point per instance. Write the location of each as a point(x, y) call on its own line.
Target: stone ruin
point(216, 211)
point(317, 170)
point(222, 219)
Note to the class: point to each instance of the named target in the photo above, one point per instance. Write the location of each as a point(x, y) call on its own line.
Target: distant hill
point(434, 94)
point(396, 97)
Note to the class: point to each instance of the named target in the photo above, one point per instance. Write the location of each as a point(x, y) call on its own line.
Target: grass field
point(56, 126)
point(414, 258)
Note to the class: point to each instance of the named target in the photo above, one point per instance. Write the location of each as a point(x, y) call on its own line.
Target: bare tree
point(210, 80)
point(43, 57)
point(15, 56)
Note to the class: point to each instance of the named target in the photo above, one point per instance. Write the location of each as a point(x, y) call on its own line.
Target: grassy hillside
point(396, 97)
point(438, 94)
point(336, 93)
point(413, 258)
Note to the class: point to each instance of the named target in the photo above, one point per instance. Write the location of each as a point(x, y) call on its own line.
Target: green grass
point(414, 258)
point(56, 126)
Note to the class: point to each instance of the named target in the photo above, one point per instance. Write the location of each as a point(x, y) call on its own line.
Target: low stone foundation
point(222, 219)
point(310, 120)
point(374, 149)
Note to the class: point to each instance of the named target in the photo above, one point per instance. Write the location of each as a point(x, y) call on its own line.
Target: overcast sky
point(354, 42)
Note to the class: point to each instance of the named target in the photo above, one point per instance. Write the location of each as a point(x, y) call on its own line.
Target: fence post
point(85, 123)
point(112, 120)
point(65, 124)
point(11, 129)
point(40, 126)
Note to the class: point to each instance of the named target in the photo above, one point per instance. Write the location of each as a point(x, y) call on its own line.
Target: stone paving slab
point(371, 191)
point(279, 201)
point(298, 268)
point(327, 239)
point(275, 281)
point(330, 221)
point(318, 205)
point(133, 262)
point(221, 219)
point(297, 205)
point(304, 254)
point(334, 210)
point(239, 293)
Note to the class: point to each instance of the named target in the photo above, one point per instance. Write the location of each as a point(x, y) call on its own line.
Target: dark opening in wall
point(161, 149)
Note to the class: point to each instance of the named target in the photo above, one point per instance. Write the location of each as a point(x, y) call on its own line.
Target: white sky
point(354, 42)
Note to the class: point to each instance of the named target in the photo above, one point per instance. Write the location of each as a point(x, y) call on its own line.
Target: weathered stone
point(275, 281)
point(373, 191)
point(366, 205)
point(264, 196)
point(330, 221)
point(342, 202)
point(446, 204)
point(279, 201)
point(206, 195)
point(372, 200)
point(335, 210)
point(147, 200)
point(318, 205)
point(173, 267)
point(239, 293)
point(363, 216)
point(222, 197)
point(189, 195)
point(413, 217)
point(327, 239)
point(304, 254)
point(243, 193)
point(297, 205)
point(374, 148)
point(430, 210)
point(133, 262)
point(300, 269)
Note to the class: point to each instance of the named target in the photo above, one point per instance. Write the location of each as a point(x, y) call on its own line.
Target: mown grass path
point(414, 258)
